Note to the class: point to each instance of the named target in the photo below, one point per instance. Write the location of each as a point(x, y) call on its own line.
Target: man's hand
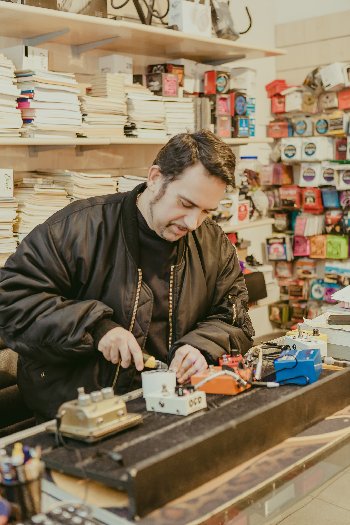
point(187, 361)
point(120, 345)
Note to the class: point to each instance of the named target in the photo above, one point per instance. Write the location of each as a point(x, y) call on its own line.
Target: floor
point(327, 505)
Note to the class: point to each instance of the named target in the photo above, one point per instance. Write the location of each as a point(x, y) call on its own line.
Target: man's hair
point(186, 149)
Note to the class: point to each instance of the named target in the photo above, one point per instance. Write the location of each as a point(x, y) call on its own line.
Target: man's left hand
point(187, 361)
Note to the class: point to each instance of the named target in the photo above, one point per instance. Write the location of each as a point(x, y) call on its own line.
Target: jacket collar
point(130, 225)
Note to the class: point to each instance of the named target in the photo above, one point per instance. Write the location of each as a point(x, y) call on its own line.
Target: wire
point(119, 6)
point(250, 22)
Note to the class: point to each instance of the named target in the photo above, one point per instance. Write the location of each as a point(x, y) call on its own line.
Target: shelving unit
point(248, 225)
point(36, 25)
point(122, 141)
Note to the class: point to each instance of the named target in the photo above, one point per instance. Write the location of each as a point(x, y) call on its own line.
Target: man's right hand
point(120, 345)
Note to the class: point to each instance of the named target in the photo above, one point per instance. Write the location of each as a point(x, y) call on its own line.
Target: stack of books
point(128, 182)
point(87, 184)
point(146, 113)
point(38, 199)
point(49, 104)
point(104, 109)
point(10, 116)
point(179, 115)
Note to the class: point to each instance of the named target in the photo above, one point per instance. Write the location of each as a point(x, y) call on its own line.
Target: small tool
point(151, 362)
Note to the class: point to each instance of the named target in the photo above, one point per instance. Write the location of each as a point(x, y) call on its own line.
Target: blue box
point(298, 367)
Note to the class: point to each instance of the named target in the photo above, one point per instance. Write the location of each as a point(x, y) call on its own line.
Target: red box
point(238, 104)
point(344, 99)
point(275, 87)
point(278, 104)
point(278, 129)
point(340, 146)
point(216, 82)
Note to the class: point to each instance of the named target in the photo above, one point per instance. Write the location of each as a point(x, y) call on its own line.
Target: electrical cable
point(119, 6)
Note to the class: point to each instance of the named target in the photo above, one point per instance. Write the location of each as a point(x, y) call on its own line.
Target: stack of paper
point(49, 104)
point(10, 116)
point(8, 242)
point(92, 184)
point(146, 113)
point(38, 199)
point(128, 182)
point(104, 111)
point(179, 115)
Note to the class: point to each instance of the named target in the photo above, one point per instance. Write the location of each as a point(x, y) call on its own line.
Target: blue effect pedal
point(298, 367)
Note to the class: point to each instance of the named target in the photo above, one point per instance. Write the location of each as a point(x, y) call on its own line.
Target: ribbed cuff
point(101, 328)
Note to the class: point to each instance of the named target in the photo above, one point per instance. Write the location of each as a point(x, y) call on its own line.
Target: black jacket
point(75, 277)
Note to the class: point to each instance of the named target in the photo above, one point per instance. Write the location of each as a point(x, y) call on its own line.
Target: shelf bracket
point(46, 37)
point(218, 62)
point(34, 151)
point(77, 50)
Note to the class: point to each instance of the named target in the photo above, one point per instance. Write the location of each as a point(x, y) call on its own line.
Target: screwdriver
point(151, 362)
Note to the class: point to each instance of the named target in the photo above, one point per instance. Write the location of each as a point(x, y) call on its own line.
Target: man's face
point(185, 203)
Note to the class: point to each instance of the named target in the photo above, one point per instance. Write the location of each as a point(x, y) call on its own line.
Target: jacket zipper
point(133, 317)
point(171, 284)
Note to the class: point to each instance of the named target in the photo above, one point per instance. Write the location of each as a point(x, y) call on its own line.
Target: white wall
point(285, 11)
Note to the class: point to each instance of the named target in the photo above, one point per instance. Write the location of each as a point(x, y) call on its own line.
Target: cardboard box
point(328, 175)
point(243, 79)
point(278, 104)
point(279, 129)
point(240, 126)
point(28, 57)
point(340, 148)
point(191, 17)
point(164, 84)
point(223, 126)
point(92, 7)
point(275, 87)
point(238, 103)
point(291, 149)
point(216, 82)
point(328, 101)
point(344, 99)
point(307, 174)
point(302, 126)
point(175, 69)
point(333, 76)
point(338, 122)
point(6, 183)
point(320, 125)
point(120, 64)
point(317, 149)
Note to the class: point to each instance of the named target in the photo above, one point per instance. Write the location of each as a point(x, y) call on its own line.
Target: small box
point(291, 149)
point(120, 64)
point(191, 17)
point(301, 246)
point(293, 99)
point(328, 101)
point(282, 174)
point(164, 84)
point(290, 196)
point(309, 104)
point(238, 104)
point(175, 69)
point(278, 104)
point(337, 247)
point(318, 247)
point(306, 269)
point(340, 148)
point(307, 174)
point(311, 200)
point(275, 87)
point(223, 105)
point(240, 126)
point(343, 182)
point(317, 149)
point(28, 57)
point(83, 7)
point(6, 183)
point(278, 129)
point(333, 76)
point(216, 82)
point(243, 78)
point(279, 248)
point(266, 175)
point(243, 211)
point(223, 126)
point(338, 122)
point(321, 125)
point(328, 175)
point(330, 198)
point(302, 126)
point(344, 99)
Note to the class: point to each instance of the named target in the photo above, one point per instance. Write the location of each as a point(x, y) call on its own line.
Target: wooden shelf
point(122, 141)
point(20, 21)
point(246, 225)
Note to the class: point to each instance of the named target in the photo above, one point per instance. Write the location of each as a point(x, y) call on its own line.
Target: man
point(108, 277)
